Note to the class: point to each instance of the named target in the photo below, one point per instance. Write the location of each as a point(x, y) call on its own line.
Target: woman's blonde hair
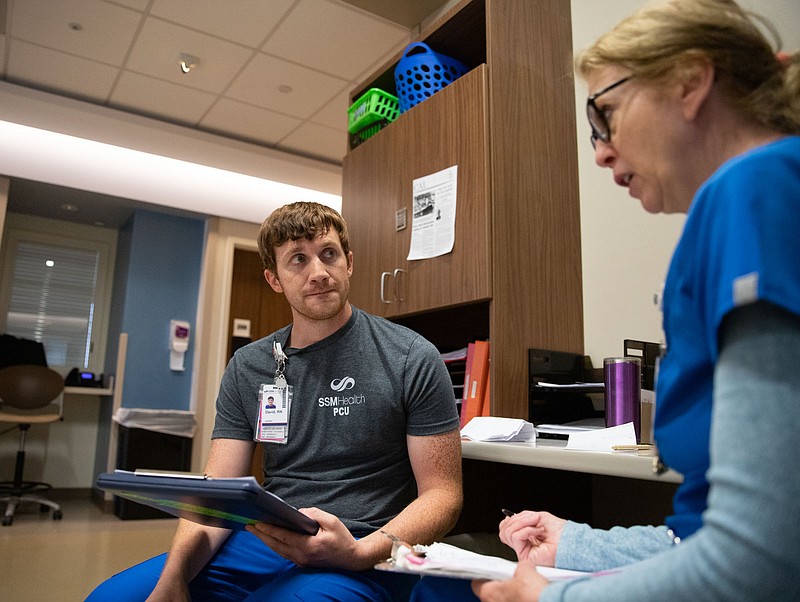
point(661, 38)
point(295, 221)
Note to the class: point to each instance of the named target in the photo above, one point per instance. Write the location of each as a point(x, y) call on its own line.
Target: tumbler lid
point(622, 360)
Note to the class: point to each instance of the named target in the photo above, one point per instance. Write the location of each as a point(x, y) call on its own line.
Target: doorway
point(252, 300)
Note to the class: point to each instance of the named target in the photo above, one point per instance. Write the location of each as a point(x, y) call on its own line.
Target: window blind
point(53, 298)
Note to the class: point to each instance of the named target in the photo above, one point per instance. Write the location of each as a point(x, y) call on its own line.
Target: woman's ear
point(272, 280)
point(696, 80)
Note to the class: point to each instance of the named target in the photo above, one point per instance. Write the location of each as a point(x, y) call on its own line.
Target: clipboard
point(445, 560)
point(228, 503)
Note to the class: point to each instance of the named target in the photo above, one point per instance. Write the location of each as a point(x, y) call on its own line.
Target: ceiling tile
point(2, 53)
point(149, 96)
point(160, 45)
point(334, 113)
point(248, 122)
point(261, 82)
point(409, 13)
point(247, 22)
point(316, 141)
point(334, 38)
point(105, 35)
point(140, 5)
point(60, 72)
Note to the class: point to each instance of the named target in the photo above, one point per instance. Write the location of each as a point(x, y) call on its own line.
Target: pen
point(640, 447)
point(508, 512)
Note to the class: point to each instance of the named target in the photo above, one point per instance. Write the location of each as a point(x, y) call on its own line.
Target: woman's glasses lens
point(597, 121)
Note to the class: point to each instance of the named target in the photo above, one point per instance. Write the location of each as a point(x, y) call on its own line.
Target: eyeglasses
point(601, 130)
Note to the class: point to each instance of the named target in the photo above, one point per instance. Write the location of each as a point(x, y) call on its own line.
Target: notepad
point(231, 503)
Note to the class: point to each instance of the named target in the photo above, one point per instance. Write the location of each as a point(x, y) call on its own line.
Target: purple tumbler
point(623, 392)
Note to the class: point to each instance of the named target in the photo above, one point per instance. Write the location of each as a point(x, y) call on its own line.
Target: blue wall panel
point(161, 266)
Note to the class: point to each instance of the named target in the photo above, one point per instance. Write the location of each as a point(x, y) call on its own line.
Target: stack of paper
point(603, 440)
point(490, 428)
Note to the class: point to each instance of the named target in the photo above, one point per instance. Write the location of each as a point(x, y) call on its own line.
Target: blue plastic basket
point(422, 72)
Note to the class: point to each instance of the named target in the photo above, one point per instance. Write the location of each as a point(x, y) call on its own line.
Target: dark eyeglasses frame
point(601, 130)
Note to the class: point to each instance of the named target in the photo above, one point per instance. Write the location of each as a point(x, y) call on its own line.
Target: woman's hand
point(526, 586)
point(533, 535)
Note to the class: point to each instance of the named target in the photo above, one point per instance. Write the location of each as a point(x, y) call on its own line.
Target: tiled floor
point(42, 559)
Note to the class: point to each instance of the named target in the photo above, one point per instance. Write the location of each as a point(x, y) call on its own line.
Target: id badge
point(274, 406)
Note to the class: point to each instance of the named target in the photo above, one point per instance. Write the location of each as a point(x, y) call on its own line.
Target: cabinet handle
point(383, 287)
point(396, 285)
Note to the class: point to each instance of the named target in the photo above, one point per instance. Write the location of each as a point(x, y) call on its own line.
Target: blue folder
point(229, 503)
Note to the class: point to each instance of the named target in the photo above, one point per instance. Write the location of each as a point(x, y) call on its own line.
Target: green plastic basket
point(374, 105)
point(358, 137)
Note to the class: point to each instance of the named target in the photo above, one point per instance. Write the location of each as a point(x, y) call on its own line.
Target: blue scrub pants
point(246, 569)
point(440, 589)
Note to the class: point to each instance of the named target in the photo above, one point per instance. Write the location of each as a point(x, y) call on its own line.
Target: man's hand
point(533, 536)
point(333, 546)
point(526, 586)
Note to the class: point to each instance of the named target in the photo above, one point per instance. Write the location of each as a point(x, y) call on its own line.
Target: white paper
point(490, 428)
point(564, 429)
point(602, 440)
point(445, 560)
point(569, 385)
point(433, 222)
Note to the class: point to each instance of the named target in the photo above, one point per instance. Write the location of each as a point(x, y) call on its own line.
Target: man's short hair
point(296, 221)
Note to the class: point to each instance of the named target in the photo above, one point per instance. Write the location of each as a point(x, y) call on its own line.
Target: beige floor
point(43, 560)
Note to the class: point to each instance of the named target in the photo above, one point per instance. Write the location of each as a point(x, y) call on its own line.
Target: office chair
point(29, 394)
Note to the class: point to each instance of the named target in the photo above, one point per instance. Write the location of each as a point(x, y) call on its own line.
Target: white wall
point(626, 251)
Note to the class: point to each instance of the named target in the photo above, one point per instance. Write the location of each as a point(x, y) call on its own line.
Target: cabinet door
point(371, 189)
point(450, 128)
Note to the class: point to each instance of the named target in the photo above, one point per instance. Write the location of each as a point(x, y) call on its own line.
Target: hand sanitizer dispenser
point(178, 343)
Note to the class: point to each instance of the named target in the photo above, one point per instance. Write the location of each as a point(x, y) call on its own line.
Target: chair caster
point(7, 520)
point(57, 515)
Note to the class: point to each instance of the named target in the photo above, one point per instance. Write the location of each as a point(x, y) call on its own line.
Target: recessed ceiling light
point(187, 62)
point(49, 263)
point(75, 26)
point(69, 207)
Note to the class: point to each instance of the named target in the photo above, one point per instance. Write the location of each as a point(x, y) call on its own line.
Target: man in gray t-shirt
point(362, 436)
point(356, 396)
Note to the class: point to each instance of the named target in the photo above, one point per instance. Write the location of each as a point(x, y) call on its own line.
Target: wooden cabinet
point(509, 125)
point(449, 130)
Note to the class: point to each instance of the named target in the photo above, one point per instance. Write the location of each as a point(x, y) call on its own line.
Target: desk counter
point(95, 391)
point(551, 453)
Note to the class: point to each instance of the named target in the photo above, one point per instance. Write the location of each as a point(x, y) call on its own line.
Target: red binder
point(475, 389)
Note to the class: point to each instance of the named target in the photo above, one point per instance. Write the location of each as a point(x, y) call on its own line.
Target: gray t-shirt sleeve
point(748, 546)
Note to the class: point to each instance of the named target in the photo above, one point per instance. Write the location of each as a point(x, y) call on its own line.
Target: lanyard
point(280, 360)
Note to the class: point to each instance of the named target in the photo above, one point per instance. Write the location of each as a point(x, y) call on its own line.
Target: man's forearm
point(192, 548)
point(425, 520)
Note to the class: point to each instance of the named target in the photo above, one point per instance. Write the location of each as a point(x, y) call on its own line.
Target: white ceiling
point(276, 73)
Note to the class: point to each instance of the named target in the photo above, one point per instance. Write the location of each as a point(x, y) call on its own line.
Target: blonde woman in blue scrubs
point(694, 112)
